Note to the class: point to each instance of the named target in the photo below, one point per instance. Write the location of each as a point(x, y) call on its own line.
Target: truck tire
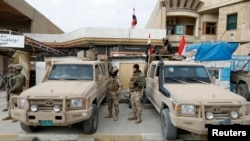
point(243, 91)
point(29, 129)
point(169, 131)
point(90, 125)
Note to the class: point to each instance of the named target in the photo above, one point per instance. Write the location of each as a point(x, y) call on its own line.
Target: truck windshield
point(186, 74)
point(71, 72)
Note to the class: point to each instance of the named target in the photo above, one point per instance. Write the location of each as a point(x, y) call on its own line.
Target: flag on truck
point(150, 48)
point(134, 19)
point(182, 46)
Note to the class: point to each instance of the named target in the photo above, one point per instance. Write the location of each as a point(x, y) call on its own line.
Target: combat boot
point(108, 116)
point(4, 110)
point(138, 119)
point(7, 118)
point(133, 117)
point(14, 120)
point(116, 117)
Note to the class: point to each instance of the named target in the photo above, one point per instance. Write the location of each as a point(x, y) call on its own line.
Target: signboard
point(15, 41)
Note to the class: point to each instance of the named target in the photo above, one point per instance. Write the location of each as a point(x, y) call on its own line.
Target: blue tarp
point(211, 51)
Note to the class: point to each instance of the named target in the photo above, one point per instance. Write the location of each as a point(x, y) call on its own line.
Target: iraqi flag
point(150, 48)
point(134, 19)
point(182, 46)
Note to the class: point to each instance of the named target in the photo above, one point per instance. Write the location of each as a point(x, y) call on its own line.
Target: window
point(170, 29)
point(189, 74)
point(232, 21)
point(214, 72)
point(179, 29)
point(71, 72)
point(189, 30)
point(209, 28)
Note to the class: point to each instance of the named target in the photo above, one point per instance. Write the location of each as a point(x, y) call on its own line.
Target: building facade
point(204, 20)
point(17, 16)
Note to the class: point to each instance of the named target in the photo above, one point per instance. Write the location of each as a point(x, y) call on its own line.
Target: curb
point(8, 136)
point(82, 137)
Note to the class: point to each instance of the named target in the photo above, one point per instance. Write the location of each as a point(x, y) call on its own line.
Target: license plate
point(46, 122)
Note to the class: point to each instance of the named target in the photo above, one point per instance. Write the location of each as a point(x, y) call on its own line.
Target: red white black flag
point(182, 46)
point(134, 20)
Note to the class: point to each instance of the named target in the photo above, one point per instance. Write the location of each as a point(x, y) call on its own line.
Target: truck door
point(157, 95)
point(100, 83)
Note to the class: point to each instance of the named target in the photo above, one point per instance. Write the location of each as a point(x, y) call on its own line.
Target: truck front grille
point(46, 105)
point(221, 111)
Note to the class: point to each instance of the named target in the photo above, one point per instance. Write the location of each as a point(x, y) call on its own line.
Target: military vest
point(138, 77)
point(113, 84)
point(16, 84)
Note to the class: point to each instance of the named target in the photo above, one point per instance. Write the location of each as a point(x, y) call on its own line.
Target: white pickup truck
point(185, 98)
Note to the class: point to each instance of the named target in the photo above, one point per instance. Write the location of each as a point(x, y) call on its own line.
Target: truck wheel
point(169, 131)
point(242, 90)
point(90, 125)
point(29, 128)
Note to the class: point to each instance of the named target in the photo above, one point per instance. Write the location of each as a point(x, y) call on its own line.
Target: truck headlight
point(187, 109)
point(33, 108)
point(209, 115)
point(76, 102)
point(56, 108)
point(21, 102)
point(234, 114)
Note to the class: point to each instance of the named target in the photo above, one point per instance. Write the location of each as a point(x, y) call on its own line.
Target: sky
point(70, 15)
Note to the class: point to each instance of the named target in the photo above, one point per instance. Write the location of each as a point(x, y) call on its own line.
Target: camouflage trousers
point(135, 100)
point(7, 97)
point(113, 102)
point(11, 95)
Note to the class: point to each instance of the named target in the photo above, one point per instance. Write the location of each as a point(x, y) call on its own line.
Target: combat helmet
point(10, 66)
point(18, 67)
point(114, 71)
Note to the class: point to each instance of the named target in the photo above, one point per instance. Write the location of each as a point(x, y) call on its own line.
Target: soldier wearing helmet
point(114, 87)
point(92, 52)
point(7, 78)
point(18, 80)
point(136, 85)
point(16, 85)
point(166, 48)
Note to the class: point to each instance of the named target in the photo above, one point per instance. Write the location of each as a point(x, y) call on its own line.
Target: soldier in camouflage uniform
point(166, 49)
point(136, 85)
point(92, 52)
point(16, 84)
point(7, 77)
point(114, 87)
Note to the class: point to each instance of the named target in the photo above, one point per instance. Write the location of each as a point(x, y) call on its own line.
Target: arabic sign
point(15, 41)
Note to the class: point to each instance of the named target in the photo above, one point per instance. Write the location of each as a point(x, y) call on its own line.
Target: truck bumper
point(198, 125)
point(51, 118)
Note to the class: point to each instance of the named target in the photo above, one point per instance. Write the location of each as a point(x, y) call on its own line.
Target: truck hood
point(201, 93)
point(59, 88)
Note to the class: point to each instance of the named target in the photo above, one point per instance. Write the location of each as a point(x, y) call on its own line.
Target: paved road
point(108, 130)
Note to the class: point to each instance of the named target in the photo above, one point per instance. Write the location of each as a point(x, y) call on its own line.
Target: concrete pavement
point(108, 130)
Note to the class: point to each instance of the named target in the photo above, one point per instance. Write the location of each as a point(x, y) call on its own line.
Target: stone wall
point(242, 33)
